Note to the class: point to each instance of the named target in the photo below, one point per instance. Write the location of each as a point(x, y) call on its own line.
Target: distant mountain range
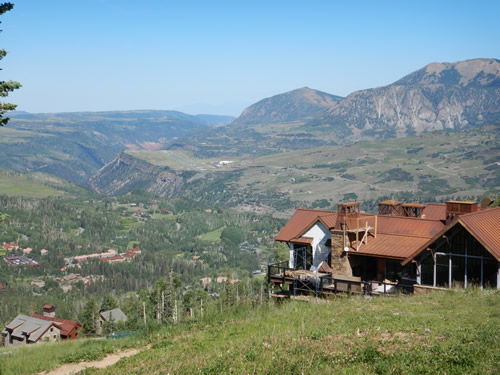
point(75, 146)
point(438, 96)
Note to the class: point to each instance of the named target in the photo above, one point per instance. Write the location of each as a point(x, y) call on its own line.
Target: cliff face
point(439, 96)
point(126, 173)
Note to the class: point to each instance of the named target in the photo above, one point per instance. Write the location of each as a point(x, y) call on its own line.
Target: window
point(442, 270)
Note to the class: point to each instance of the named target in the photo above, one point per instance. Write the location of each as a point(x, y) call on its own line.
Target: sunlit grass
point(451, 332)
point(213, 236)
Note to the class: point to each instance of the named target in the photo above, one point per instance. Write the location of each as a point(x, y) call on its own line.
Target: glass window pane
point(442, 271)
point(427, 270)
point(473, 272)
point(490, 268)
point(458, 271)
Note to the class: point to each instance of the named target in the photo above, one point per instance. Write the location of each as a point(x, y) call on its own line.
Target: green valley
point(430, 167)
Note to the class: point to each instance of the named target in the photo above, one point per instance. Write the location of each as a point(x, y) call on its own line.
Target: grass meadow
point(454, 332)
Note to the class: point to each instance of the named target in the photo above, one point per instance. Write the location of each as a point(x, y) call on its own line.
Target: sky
point(219, 57)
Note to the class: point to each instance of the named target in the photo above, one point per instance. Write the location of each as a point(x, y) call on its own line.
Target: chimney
point(49, 311)
point(456, 208)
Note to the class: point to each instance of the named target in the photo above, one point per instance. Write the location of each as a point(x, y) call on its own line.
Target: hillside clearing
point(451, 332)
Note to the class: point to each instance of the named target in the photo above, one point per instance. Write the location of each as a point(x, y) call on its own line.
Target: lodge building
point(408, 246)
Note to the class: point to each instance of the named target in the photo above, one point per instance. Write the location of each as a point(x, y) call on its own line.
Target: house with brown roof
point(452, 244)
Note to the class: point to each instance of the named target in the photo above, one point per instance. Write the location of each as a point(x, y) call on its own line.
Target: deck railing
point(275, 269)
point(329, 284)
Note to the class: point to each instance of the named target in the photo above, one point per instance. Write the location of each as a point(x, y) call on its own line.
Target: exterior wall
point(291, 259)
point(320, 234)
point(339, 260)
point(13, 341)
point(51, 335)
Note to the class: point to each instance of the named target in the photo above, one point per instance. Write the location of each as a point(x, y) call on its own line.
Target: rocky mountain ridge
point(438, 96)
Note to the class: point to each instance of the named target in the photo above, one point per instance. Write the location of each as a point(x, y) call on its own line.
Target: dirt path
point(73, 368)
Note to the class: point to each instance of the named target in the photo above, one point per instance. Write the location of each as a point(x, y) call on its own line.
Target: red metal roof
point(485, 227)
point(302, 220)
point(434, 211)
point(303, 240)
point(408, 226)
point(390, 246)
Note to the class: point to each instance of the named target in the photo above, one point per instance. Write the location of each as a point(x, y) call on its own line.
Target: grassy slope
point(451, 332)
point(32, 359)
point(36, 185)
point(213, 236)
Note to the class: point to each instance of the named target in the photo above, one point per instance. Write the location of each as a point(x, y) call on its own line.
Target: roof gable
point(302, 220)
point(483, 225)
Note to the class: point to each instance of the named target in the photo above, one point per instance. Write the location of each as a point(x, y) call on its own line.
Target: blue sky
point(221, 56)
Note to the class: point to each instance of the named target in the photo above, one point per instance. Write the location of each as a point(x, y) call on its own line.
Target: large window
point(460, 258)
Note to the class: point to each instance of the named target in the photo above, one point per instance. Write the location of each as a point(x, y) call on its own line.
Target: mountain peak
point(467, 73)
point(296, 105)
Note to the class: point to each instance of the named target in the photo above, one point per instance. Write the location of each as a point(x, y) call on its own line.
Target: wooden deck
point(303, 282)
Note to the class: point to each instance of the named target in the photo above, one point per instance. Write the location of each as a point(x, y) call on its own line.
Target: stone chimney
point(339, 259)
point(49, 311)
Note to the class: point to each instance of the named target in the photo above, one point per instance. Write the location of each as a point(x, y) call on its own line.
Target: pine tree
point(6, 86)
point(89, 317)
point(108, 303)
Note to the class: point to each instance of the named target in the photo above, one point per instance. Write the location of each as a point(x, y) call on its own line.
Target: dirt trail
point(73, 368)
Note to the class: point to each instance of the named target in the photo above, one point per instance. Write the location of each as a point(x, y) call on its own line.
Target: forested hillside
point(177, 237)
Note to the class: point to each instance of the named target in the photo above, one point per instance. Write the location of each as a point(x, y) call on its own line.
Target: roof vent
point(412, 209)
point(389, 207)
point(348, 209)
point(455, 208)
